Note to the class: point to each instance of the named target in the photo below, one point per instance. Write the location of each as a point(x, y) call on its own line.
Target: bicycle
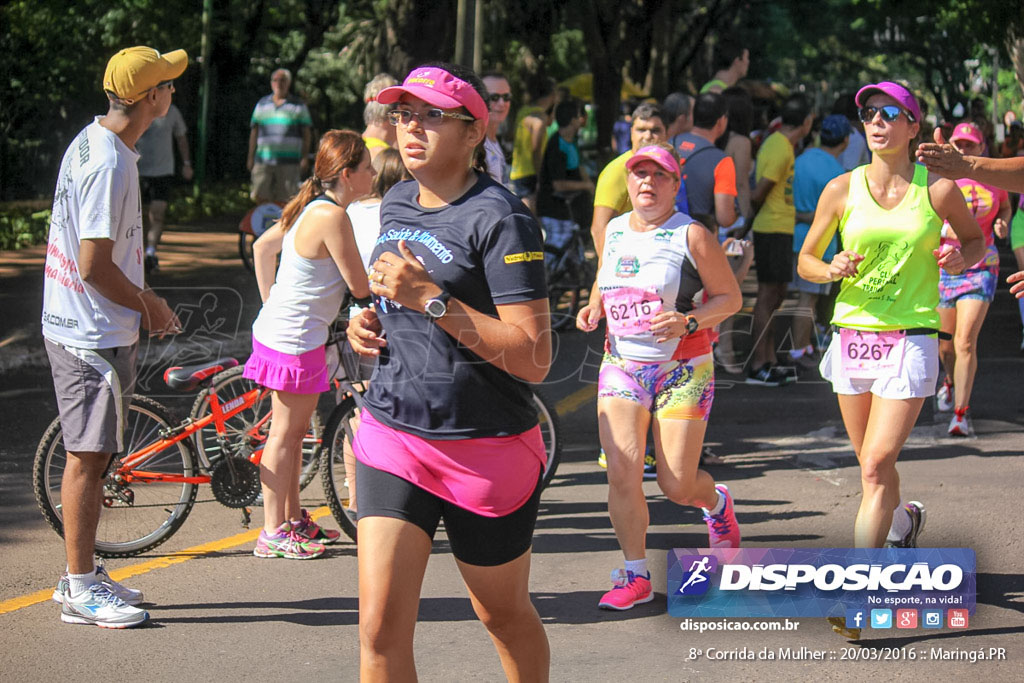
point(569, 274)
point(149, 491)
point(337, 455)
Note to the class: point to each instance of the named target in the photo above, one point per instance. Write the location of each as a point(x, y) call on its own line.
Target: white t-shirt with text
point(97, 197)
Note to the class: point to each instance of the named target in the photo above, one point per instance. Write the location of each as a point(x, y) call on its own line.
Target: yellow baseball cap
point(134, 70)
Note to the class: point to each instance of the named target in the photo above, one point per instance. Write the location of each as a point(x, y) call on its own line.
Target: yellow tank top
point(897, 284)
point(522, 147)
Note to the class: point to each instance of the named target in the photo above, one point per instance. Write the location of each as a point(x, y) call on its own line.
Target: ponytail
point(310, 190)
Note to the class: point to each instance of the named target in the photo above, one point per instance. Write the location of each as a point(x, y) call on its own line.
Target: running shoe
point(723, 530)
point(770, 376)
point(944, 397)
point(839, 626)
point(287, 543)
point(129, 595)
point(917, 518)
point(314, 532)
point(629, 590)
point(959, 424)
point(650, 463)
point(99, 606)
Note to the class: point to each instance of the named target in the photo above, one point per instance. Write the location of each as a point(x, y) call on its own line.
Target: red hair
point(338, 150)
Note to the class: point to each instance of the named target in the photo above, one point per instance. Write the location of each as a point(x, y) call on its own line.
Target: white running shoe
point(959, 425)
point(917, 515)
point(944, 398)
point(128, 595)
point(100, 607)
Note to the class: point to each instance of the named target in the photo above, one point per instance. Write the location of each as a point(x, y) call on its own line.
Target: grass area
point(25, 224)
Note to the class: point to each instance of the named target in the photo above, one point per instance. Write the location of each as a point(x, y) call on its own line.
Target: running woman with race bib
point(883, 360)
point(657, 363)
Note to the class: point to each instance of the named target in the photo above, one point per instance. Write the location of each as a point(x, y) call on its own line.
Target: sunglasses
point(889, 112)
point(495, 97)
point(431, 117)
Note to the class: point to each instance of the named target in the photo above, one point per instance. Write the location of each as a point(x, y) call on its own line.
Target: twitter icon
point(881, 618)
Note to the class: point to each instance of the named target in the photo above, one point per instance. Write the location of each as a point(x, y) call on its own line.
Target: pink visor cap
point(436, 86)
point(659, 155)
point(893, 90)
point(967, 131)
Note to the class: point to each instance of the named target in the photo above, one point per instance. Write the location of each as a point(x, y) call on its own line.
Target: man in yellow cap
point(94, 299)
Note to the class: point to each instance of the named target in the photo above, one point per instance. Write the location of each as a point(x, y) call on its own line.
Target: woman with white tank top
point(319, 263)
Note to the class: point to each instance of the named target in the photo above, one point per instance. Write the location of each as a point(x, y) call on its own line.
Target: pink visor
point(893, 90)
point(658, 155)
point(967, 131)
point(436, 86)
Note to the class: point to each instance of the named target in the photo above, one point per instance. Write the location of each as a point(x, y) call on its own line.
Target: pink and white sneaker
point(629, 590)
point(313, 531)
point(723, 530)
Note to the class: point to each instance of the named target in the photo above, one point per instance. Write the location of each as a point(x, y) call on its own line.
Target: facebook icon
point(855, 618)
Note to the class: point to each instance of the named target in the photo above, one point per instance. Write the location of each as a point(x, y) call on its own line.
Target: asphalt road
point(219, 612)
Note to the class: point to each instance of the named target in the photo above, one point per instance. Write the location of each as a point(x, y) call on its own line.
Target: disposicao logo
point(697, 580)
point(796, 582)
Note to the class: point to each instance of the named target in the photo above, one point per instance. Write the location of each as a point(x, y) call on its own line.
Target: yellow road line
point(156, 563)
point(577, 399)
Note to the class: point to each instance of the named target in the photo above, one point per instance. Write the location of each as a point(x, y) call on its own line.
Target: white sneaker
point(944, 398)
point(128, 595)
point(100, 607)
point(959, 425)
point(916, 512)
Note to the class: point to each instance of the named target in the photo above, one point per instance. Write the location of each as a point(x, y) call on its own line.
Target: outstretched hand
point(1017, 280)
point(943, 158)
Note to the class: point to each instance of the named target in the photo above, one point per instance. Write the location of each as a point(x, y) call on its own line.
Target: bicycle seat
point(189, 377)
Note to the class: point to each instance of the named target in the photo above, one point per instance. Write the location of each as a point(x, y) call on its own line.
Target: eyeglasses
point(889, 112)
point(494, 97)
point(432, 117)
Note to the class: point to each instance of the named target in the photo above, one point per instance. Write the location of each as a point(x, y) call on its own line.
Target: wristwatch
point(436, 308)
point(691, 324)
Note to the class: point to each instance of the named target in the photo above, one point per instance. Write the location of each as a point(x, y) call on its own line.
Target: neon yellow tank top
point(897, 284)
point(522, 148)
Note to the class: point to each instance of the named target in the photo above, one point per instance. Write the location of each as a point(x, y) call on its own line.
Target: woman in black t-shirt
point(459, 325)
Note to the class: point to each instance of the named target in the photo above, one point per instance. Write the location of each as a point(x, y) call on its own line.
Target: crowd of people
point(439, 238)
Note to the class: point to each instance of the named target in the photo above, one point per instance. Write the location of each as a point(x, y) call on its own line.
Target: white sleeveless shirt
point(303, 301)
point(643, 274)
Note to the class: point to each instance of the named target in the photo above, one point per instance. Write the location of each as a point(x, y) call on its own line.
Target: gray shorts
point(94, 388)
point(275, 182)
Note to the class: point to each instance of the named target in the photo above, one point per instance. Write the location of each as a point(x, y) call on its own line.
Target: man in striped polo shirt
point(278, 142)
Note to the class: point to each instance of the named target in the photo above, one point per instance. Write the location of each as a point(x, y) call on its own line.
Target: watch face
point(435, 308)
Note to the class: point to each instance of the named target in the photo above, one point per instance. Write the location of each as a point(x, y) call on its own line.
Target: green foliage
point(20, 228)
point(219, 200)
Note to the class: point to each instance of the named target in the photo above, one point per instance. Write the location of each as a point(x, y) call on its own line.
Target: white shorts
point(917, 378)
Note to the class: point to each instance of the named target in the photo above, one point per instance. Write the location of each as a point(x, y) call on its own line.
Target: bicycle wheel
point(548, 419)
point(569, 278)
point(248, 429)
point(334, 473)
point(136, 516)
point(245, 242)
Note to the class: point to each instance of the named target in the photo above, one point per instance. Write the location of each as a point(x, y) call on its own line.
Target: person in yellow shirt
point(530, 139)
point(732, 61)
point(610, 197)
point(773, 236)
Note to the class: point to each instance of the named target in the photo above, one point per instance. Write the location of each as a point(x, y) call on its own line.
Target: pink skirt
point(302, 374)
point(491, 476)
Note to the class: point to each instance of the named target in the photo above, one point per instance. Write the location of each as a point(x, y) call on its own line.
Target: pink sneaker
point(723, 530)
point(629, 590)
point(286, 543)
point(313, 531)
